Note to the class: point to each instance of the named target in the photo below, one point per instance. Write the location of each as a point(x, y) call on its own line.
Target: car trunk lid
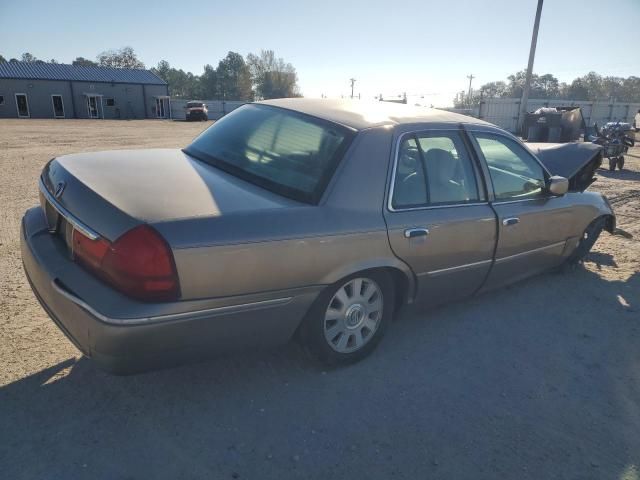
point(148, 186)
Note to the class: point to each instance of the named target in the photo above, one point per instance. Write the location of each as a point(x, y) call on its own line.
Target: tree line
point(591, 87)
point(258, 76)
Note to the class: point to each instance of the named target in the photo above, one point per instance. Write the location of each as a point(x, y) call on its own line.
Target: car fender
point(392, 263)
point(601, 208)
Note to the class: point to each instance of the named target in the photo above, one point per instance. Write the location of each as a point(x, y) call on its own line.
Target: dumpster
point(554, 124)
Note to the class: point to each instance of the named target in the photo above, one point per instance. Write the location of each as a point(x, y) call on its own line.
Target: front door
point(22, 105)
point(161, 108)
point(92, 107)
point(58, 106)
point(438, 217)
point(533, 226)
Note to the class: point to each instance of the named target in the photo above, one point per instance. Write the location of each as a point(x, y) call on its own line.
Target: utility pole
point(532, 53)
point(353, 81)
point(470, 77)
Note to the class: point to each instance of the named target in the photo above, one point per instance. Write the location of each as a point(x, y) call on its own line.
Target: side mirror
point(557, 185)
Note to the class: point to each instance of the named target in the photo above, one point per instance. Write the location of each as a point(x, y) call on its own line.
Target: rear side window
point(434, 169)
point(515, 174)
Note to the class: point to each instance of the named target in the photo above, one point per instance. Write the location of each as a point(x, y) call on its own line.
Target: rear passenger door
point(533, 224)
point(438, 218)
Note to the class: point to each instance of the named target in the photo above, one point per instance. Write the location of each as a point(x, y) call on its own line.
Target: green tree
point(272, 76)
point(233, 78)
point(2, 59)
point(27, 57)
point(209, 82)
point(181, 84)
point(630, 89)
point(578, 90)
point(122, 58)
point(163, 70)
point(83, 62)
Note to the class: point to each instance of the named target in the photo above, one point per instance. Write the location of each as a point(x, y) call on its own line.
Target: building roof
point(60, 71)
point(360, 114)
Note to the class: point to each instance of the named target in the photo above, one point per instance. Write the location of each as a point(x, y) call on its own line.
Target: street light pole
point(353, 81)
point(532, 53)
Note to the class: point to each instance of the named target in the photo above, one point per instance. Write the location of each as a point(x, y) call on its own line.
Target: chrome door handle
point(507, 222)
point(416, 232)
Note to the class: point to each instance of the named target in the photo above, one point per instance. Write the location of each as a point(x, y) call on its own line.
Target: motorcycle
point(615, 142)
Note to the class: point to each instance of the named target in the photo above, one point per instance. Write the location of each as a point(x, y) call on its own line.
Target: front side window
point(514, 172)
point(434, 169)
point(286, 152)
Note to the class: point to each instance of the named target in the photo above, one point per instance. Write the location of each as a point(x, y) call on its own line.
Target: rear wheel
point(349, 319)
point(587, 241)
point(612, 164)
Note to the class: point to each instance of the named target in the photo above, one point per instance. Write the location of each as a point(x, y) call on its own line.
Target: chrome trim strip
point(390, 206)
point(506, 202)
point(432, 207)
point(528, 252)
point(244, 307)
point(444, 271)
point(77, 224)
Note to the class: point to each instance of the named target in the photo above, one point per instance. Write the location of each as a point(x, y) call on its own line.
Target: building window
point(110, 102)
point(1, 99)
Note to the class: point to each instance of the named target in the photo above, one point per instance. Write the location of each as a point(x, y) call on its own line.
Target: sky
point(425, 48)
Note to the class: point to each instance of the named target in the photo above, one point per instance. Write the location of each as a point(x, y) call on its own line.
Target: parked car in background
point(312, 218)
point(196, 111)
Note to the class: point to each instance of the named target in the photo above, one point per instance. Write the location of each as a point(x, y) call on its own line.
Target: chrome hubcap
point(353, 315)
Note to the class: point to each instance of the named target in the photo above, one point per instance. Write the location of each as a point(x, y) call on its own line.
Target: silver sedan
point(309, 218)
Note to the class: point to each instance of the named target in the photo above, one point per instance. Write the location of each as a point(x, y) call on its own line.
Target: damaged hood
point(577, 162)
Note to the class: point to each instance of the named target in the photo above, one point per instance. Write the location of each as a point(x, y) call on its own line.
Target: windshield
point(194, 105)
point(289, 153)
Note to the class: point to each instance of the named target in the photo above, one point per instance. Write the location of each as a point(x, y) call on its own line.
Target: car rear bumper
point(152, 335)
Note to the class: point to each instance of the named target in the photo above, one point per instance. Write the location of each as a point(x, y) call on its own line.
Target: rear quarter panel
point(293, 247)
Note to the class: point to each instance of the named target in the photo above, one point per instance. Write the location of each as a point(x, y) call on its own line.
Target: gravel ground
point(539, 380)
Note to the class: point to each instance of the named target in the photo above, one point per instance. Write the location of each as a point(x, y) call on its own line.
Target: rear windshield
point(194, 104)
point(289, 153)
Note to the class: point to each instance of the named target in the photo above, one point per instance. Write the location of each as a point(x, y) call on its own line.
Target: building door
point(22, 104)
point(58, 106)
point(161, 107)
point(92, 107)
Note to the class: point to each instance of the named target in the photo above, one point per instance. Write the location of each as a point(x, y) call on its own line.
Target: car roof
point(361, 114)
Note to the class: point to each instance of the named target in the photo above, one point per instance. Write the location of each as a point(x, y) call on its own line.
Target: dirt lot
point(540, 380)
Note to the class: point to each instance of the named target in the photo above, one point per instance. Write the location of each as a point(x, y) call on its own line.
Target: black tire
point(612, 164)
point(620, 162)
point(587, 241)
point(312, 330)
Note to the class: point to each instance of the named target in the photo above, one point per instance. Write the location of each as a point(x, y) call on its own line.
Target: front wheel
point(612, 164)
point(348, 320)
point(620, 162)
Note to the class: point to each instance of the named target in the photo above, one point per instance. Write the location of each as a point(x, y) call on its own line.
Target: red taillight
point(89, 252)
point(139, 263)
